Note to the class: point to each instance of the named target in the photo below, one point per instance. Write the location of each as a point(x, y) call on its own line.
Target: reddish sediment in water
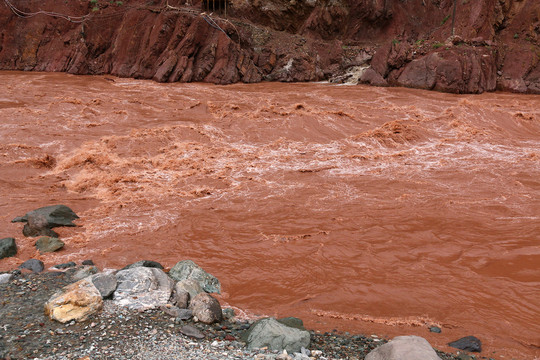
point(374, 210)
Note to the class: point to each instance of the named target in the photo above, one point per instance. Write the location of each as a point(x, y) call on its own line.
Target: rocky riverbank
point(122, 333)
point(458, 47)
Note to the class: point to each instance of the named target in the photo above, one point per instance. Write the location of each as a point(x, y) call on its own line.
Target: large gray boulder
point(105, 283)
point(40, 221)
point(404, 348)
point(8, 247)
point(54, 215)
point(270, 333)
point(187, 269)
point(206, 308)
point(142, 288)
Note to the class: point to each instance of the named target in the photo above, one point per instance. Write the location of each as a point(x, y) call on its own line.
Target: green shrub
point(438, 45)
point(445, 19)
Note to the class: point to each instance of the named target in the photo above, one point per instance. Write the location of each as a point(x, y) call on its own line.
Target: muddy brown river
point(362, 209)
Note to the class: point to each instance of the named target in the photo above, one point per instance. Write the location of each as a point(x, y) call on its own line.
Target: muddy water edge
point(371, 210)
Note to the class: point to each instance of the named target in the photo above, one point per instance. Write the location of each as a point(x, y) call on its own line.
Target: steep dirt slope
point(405, 42)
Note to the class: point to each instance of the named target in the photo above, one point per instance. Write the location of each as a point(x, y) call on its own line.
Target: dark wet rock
point(293, 322)
point(435, 329)
point(65, 265)
point(37, 227)
point(5, 278)
point(144, 263)
point(88, 262)
point(404, 348)
point(206, 308)
point(270, 333)
point(39, 222)
point(47, 244)
point(142, 288)
point(187, 269)
point(85, 271)
point(105, 283)
point(33, 264)
point(467, 343)
point(54, 215)
point(8, 247)
point(191, 331)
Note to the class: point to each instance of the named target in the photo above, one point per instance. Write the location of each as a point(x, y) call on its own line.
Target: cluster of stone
point(39, 223)
point(183, 292)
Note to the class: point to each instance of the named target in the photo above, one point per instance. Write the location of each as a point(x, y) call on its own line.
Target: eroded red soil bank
point(407, 43)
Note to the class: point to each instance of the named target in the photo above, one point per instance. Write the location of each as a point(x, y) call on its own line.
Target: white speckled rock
point(404, 348)
point(5, 278)
point(142, 288)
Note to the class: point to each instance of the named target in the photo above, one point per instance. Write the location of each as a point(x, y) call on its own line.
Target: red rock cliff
point(491, 43)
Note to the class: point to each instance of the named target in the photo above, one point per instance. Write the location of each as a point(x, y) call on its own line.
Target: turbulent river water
point(372, 210)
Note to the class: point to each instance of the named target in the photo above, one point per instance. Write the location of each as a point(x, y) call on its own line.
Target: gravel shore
point(117, 333)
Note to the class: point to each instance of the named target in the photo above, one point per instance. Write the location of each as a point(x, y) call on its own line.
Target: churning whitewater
point(376, 210)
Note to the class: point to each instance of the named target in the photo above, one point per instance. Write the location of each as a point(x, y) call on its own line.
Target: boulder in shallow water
point(206, 308)
point(33, 264)
point(404, 348)
point(54, 215)
point(75, 302)
point(47, 244)
point(142, 288)
point(187, 269)
point(39, 222)
point(467, 343)
point(270, 333)
point(8, 247)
